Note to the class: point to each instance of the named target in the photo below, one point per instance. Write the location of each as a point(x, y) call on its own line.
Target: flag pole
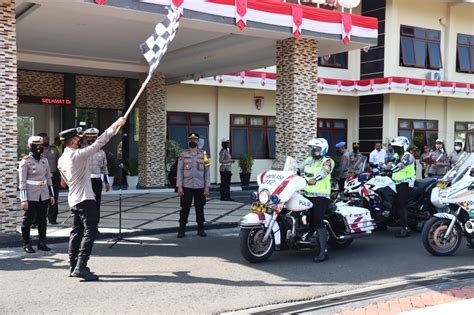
point(144, 84)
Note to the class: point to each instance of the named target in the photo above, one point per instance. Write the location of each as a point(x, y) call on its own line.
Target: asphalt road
point(208, 275)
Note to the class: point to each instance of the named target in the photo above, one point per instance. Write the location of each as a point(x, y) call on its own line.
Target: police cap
point(35, 140)
point(70, 133)
point(193, 135)
point(91, 132)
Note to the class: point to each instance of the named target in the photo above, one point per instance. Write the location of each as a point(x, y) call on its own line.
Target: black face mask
point(225, 145)
point(90, 141)
point(36, 151)
point(398, 150)
point(192, 144)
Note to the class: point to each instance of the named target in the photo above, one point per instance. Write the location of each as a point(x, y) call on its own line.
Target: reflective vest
point(405, 175)
point(313, 168)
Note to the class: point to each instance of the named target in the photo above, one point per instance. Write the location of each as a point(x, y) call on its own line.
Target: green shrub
point(132, 167)
point(246, 163)
point(172, 152)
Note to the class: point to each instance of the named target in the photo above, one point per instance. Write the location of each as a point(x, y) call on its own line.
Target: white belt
point(37, 182)
point(96, 175)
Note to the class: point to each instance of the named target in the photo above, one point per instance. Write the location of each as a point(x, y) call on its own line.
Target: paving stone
point(159, 224)
point(135, 216)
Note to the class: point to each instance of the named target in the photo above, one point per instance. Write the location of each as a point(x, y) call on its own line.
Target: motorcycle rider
point(454, 156)
point(404, 175)
point(344, 164)
point(317, 173)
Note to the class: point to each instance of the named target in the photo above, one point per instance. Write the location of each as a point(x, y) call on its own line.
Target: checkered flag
point(156, 45)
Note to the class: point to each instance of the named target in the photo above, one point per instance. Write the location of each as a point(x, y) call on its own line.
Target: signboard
point(43, 100)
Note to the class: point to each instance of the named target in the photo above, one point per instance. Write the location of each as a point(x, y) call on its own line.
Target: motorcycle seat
point(421, 185)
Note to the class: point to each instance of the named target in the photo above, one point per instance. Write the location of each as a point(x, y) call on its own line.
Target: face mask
point(225, 145)
point(91, 141)
point(192, 144)
point(457, 148)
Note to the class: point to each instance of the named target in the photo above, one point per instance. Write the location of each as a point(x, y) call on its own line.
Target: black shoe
point(404, 232)
point(81, 271)
point(321, 257)
point(200, 231)
point(42, 246)
point(28, 249)
point(182, 231)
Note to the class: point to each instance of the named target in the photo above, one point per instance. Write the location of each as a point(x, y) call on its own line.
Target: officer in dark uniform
point(52, 154)
point(75, 172)
point(36, 192)
point(193, 180)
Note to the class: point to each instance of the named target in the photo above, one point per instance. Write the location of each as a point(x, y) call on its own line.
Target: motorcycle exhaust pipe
point(469, 227)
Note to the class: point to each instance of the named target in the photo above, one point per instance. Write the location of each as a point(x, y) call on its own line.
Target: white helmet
point(401, 141)
point(321, 143)
point(461, 143)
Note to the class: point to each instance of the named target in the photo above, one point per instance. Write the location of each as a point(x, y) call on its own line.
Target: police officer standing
point(404, 175)
point(36, 192)
point(439, 160)
point(193, 180)
point(317, 172)
point(344, 164)
point(225, 169)
point(98, 168)
point(454, 156)
point(75, 172)
point(52, 154)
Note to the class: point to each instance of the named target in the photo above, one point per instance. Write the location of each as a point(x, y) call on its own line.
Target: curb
point(14, 240)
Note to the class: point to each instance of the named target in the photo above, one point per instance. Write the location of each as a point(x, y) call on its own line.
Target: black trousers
point(97, 189)
point(37, 211)
point(84, 229)
point(225, 185)
point(53, 209)
point(403, 192)
point(186, 202)
point(341, 183)
point(320, 206)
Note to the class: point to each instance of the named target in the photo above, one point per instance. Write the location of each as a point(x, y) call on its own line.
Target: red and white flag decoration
point(101, 2)
point(264, 78)
point(346, 27)
point(297, 13)
point(178, 5)
point(240, 13)
point(242, 77)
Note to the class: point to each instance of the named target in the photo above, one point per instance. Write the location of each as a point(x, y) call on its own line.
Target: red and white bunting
point(240, 13)
point(346, 27)
point(264, 78)
point(297, 13)
point(101, 2)
point(178, 4)
point(242, 77)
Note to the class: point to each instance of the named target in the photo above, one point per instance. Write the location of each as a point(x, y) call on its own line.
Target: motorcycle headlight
point(264, 197)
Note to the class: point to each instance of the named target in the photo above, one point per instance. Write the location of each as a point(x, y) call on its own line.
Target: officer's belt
point(96, 175)
point(37, 182)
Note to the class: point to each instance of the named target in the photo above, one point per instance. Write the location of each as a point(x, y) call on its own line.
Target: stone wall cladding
point(100, 92)
point(296, 96)
point(34, 83)
point(8, 115)
point(152, 133)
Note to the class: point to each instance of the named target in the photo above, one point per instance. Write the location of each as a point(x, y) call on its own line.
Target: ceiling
point(82, 37)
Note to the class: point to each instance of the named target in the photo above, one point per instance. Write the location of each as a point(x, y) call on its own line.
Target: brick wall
point(8, 114)
point(34, 83)
point(100, 92)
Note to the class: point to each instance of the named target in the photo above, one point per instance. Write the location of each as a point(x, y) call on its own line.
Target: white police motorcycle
point(279, 219)
point(442, 234)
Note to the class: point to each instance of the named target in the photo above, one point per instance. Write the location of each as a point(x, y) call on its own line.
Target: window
point(465, 54)
point(419, 132)
point(254, 135)
point(334, 61)
point(334, 131)
point(465, 131)
point(420, 48)
point(180, 124)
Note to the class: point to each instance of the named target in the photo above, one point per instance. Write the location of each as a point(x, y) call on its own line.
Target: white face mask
point(457, 148)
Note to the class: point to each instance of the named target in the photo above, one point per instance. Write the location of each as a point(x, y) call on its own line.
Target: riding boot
point(201, 230)
point(182, 230)
point(72, 264)
point(81, 270)
point(404, 232)
point(323, 255)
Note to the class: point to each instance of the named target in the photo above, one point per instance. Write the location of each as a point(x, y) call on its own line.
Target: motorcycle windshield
point(464, 163)
point(358, 166)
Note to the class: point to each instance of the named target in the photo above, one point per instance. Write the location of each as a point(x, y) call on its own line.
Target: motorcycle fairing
point(258, 219)
point(298, 203)
point(281, 183)
point(358, 219)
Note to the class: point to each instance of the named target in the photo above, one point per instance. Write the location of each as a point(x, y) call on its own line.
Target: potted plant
point(132, 171)
point(245, 164)
point(172, 152)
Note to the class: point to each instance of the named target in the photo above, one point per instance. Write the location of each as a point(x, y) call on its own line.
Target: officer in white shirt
point(377, 156)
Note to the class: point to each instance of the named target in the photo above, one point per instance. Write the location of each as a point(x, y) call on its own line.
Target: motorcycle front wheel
point(252, 246)
point(339, 244)
point(433, 238)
